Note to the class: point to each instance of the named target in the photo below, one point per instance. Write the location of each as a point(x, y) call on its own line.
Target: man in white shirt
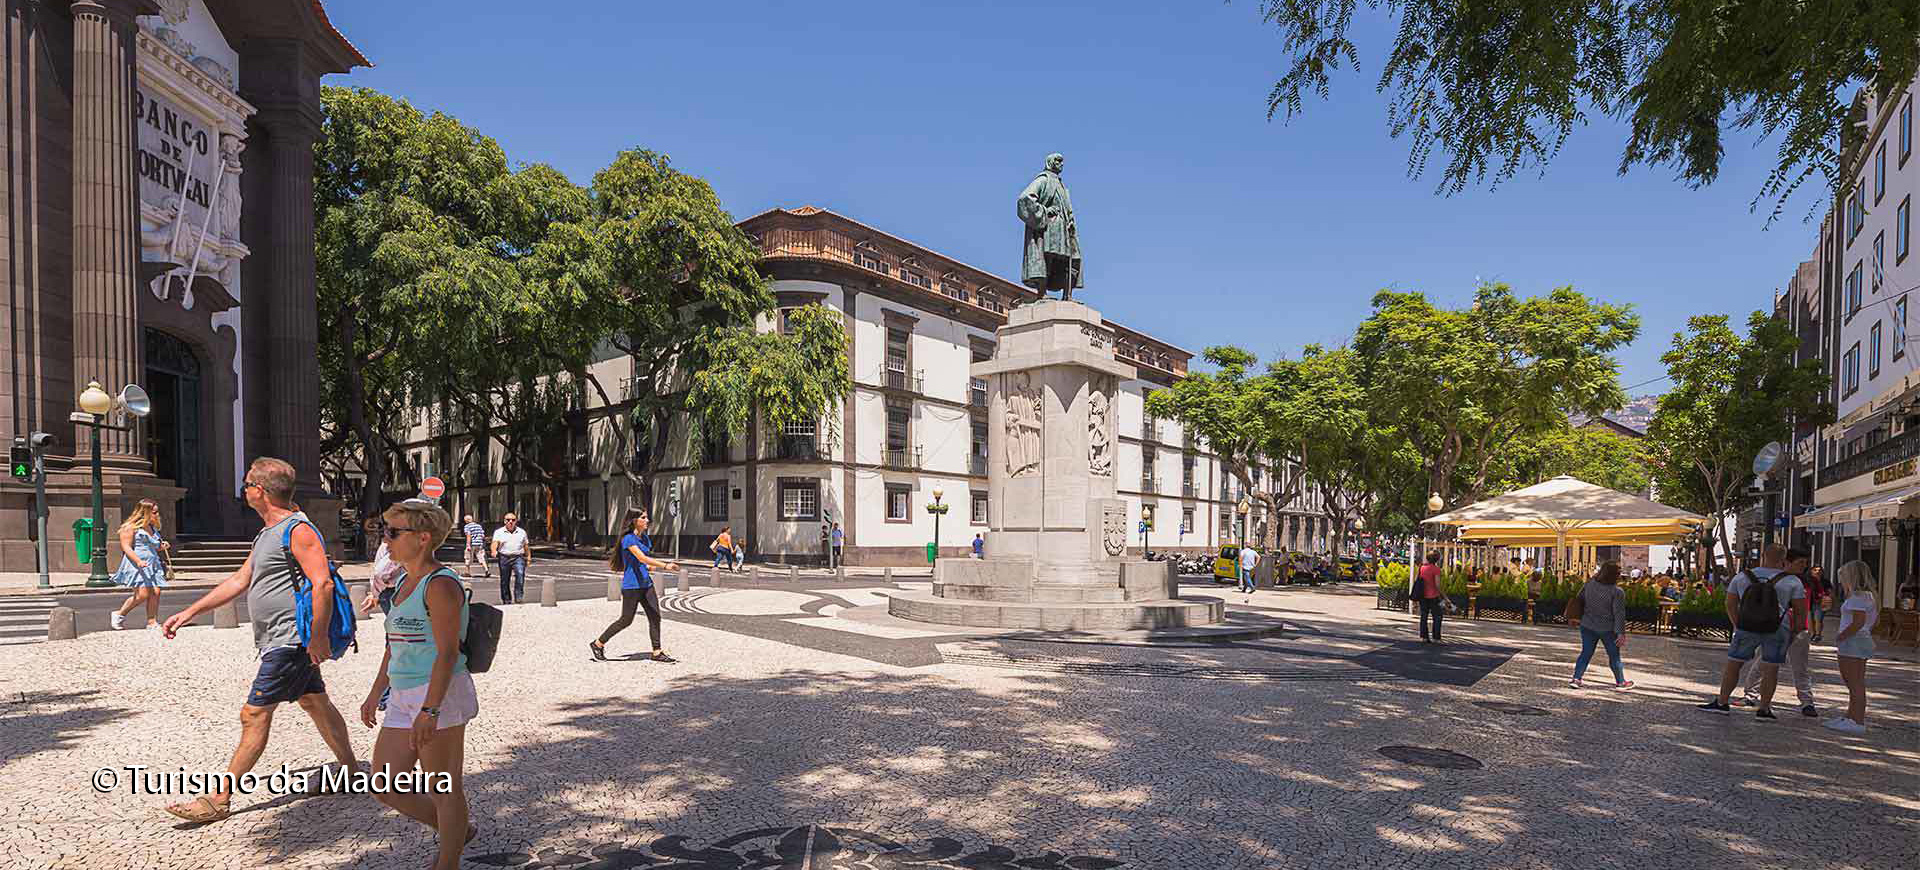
point(1249, 560)
point(510, 547)
point(1791, 599)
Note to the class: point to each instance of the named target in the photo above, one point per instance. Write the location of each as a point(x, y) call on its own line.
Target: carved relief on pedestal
point(1023, 410)
point(1113, 530)
point(1100, 426)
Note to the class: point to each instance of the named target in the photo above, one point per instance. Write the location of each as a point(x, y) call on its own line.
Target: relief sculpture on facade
point(1023, 411)
point(1100, 426)
point(1113, 531)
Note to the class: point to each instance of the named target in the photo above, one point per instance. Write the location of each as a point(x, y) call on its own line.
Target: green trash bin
point(83, 540)
point(931, 553)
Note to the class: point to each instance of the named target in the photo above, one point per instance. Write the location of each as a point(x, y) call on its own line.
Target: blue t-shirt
point(636, 573)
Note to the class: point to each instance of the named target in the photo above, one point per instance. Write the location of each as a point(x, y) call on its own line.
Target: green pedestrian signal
point(22, 464)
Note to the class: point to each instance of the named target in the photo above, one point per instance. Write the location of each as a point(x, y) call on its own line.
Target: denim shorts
point(1859, 646)
point(286, 674)
point(1772, 647)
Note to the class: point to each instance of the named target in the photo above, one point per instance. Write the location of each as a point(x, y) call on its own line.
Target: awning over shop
point(1565, 511)
point(1893, 503)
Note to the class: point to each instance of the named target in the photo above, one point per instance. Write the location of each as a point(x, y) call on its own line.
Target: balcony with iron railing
point(901, 379)
point(1150, 429)
point(797, 448)
point(1188, 489)
point(977, 465)
point(1148, 483)
point(900, 457)
point(1903, 446)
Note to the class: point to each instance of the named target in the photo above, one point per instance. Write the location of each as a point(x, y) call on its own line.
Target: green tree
point(1590, 453)
point(1731, 395)
point(1244, 417)
point(1499, 85)
point(1457, 384)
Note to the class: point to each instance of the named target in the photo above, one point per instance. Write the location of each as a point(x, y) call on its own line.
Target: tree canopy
point(1499, 85)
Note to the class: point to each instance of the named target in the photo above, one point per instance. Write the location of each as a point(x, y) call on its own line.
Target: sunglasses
point(393, 532)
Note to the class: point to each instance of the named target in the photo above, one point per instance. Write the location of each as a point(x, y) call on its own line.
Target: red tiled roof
point(322, 12)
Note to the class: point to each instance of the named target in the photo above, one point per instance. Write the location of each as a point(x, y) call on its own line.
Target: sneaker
point(119, 620)
point(1742, 702)
point(1847, 726)
point(1809, 711)
point(1623, 685)
point(1714, 706)
point(1764, 714)
point(1574, 684)
point(598, 652)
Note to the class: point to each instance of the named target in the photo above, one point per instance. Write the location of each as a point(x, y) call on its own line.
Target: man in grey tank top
point(288, 671)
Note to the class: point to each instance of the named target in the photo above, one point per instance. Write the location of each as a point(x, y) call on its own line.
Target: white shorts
point(458, 708)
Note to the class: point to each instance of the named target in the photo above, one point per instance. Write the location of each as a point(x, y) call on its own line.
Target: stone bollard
point(549, 594)
point(793, 573)
point(613, 587)
point(226, 616)
point(60, 624)
point(840, 573)
point(713, 577)
point(887, 574)
point(756, 572)
point(683, 579)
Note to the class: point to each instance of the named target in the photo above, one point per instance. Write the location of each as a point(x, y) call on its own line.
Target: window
point(1900, 327)
point(1906, 130)
point(1186, 521)
point(897, 425)
point(715, 493)
point(866, 257)
point(915, 278)
point(897, 349)
point(799, 499)
point(1880, 173)
point(1873, 351)
point(899, 503)
point(786, 320)
point(1879, 259)
point(978, 511)
point(1902, 223)
point(977, 460)
point(1149, 461)
point(1850, 370)
point(717, 447)
point(1856, 211)
point(1853, 291)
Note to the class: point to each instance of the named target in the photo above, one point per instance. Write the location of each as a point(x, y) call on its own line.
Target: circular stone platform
point(1182, 612)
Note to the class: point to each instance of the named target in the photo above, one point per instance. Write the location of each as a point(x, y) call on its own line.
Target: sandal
point(659, 656)
point(201, 810)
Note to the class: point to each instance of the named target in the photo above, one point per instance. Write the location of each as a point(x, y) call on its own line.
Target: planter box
point(1391, 599)
point(1549, 611)
point(1701, 626)
point(1502, 608)
point(1643, 620)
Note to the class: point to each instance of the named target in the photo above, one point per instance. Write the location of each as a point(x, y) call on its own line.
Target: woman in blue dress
point(141, 567)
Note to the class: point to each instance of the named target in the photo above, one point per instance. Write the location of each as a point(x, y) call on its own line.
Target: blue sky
point(1203, 222)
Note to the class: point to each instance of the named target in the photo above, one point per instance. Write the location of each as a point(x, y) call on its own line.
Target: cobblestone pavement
point(755, 752)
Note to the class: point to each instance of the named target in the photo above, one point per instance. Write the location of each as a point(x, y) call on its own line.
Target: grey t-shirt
point(270, 595)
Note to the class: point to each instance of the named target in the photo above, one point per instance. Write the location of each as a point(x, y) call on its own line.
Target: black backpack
point(483, 632)
point(1759, 606)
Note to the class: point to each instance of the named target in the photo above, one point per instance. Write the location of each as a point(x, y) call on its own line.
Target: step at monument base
point(1185, 612)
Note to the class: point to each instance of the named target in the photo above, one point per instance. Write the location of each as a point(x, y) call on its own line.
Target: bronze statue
point(1052, 258)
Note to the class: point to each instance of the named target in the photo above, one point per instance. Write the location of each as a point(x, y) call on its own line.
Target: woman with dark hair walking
point(633, 558)
point(1603, 619)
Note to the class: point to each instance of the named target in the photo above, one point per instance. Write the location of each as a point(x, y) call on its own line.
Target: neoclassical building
point(158, 231)
point(915, 422)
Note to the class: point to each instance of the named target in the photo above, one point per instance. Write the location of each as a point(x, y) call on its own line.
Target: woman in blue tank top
point(432, 696)
point(633, 558)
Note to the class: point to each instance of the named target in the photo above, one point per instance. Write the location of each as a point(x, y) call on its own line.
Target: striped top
point(410, 646)
point(476, 536)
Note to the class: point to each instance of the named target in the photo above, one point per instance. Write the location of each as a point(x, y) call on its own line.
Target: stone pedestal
point(1058, 532)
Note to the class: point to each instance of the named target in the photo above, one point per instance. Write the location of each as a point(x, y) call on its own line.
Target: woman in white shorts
point(432, 695)
point(1854, 643)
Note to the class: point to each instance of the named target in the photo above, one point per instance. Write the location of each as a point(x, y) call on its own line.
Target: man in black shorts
point(288, 671)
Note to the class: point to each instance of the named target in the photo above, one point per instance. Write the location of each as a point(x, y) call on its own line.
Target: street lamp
point(938, 510)
point(1435, 503)
point(1245, 505)
point(94, 404)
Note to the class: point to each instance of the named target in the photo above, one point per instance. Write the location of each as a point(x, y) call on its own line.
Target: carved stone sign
point(1113, 529)
point(1096, 337)
point(177, 157)
point(1100, 426)
point(1023, 412)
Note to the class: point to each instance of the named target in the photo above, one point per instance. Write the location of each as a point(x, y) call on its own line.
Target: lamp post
point(938, 510)
point(1245, 505)
point(94, 404)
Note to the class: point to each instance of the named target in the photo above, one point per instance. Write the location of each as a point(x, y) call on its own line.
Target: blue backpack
point(340, 634)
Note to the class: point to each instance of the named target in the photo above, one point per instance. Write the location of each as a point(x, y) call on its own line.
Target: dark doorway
point(174, 438)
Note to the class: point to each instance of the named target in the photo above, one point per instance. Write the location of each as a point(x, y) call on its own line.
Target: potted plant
point(1391, 578)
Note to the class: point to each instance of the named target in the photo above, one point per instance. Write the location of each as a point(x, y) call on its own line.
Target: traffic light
point(22, 461)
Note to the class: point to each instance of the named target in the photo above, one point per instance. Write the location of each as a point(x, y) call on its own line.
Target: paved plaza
point(800, 730)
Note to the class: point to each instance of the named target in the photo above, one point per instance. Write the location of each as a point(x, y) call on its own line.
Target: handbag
point(1576, 607)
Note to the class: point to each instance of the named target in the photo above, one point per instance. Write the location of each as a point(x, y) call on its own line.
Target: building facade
point(1863, 471)
point(159, 231)
point(913, 426)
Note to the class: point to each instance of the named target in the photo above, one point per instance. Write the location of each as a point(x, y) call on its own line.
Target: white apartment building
point(1867, 474)
point(913, 425)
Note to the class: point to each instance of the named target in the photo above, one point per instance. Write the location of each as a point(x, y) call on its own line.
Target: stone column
point(106, 325)
point(293, 416)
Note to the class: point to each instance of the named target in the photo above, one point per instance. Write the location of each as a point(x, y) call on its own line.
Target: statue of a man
point(1052, 259)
